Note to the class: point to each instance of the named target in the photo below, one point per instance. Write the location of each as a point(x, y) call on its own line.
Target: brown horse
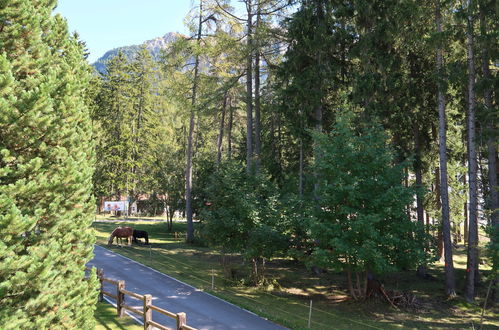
point(121, 232)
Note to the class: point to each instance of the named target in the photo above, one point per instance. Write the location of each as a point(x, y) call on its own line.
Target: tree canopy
point(46, 167)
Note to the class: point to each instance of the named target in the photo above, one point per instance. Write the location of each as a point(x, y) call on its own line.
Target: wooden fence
point(148, 307)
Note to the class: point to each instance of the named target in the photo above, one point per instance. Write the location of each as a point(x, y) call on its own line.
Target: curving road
point(203, 310)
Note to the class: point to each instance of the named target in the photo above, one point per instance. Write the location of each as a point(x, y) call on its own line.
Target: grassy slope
point(289, 305)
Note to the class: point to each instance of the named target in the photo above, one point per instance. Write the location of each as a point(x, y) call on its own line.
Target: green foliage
point(129, 125)
point(243, 213)
point(309, 79)
point(378, 55)
point(46, 160)
point(492, 249)
point(113, 128)
point(361, 222)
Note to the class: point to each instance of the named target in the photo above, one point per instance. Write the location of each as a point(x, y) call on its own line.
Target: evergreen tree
point(126, 115)
point(361, 225)
point(244, 216)
point(488, 23)
point(46, 160)
point(310, 77)
point(145, 119)
point(450, 282)
point(472, 259)
point(114, 118)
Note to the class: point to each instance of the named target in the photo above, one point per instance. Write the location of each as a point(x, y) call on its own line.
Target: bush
point(243, 216)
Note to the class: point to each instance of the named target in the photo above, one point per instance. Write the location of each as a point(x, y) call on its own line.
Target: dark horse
point(140, 234)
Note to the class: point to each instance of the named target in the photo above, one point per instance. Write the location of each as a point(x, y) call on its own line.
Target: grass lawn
point(106, 319)
point(287, 302)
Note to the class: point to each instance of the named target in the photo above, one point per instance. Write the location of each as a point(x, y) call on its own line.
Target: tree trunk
point(221, 130)
point(359, 290)
point(366, 280)
point(255, 270)
point(262, 269)
point(418, 170)
point(188, 181)
point(350, 284)
point(472, 261)
point(493, 204)
point(406, 184)
point(197, 132)
point(450, 281)
point(188, 169)
point(229, 133)
point(318, 128)
point(318, 111)
point(257, 93)
point(465, 213)
point(170, 213)
point(249, 90)
point(422, 270)
point(440, 238)
point(300, 175)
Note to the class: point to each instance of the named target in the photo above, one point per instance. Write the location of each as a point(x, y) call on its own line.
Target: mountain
point(154, 46)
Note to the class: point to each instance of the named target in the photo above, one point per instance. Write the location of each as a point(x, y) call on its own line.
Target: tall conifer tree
point(115, 118)
point(450, 282)
point(46, 163)
point(472, 260)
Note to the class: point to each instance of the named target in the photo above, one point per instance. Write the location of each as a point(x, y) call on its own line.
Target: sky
point(107, 24)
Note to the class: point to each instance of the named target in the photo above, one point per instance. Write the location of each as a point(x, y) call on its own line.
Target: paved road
point(203, 310)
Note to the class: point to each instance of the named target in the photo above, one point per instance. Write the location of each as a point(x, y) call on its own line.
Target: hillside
point(154, 46)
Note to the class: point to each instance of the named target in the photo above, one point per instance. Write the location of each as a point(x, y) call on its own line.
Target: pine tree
point(144, 119)
point(114, 119)
point(487, 19)
point(450, 282)
point(46, 160)
point(472, 260)
point(361, 224)
point(308, 79)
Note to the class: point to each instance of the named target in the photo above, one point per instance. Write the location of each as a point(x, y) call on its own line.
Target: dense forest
point(355, 136)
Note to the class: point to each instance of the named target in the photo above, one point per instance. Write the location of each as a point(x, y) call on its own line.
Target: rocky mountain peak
point(154, 46)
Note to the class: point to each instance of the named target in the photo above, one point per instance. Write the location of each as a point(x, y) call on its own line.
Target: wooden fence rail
point(148, 307)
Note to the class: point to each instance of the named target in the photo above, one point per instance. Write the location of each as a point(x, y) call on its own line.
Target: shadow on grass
point(288, 303)
point(106, 318)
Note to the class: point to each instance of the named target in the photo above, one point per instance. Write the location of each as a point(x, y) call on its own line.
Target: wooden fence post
point(181, 320)
point(147, 311)
point(121, 298)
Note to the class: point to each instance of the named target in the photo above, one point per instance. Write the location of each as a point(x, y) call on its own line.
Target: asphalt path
point(203, 310)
